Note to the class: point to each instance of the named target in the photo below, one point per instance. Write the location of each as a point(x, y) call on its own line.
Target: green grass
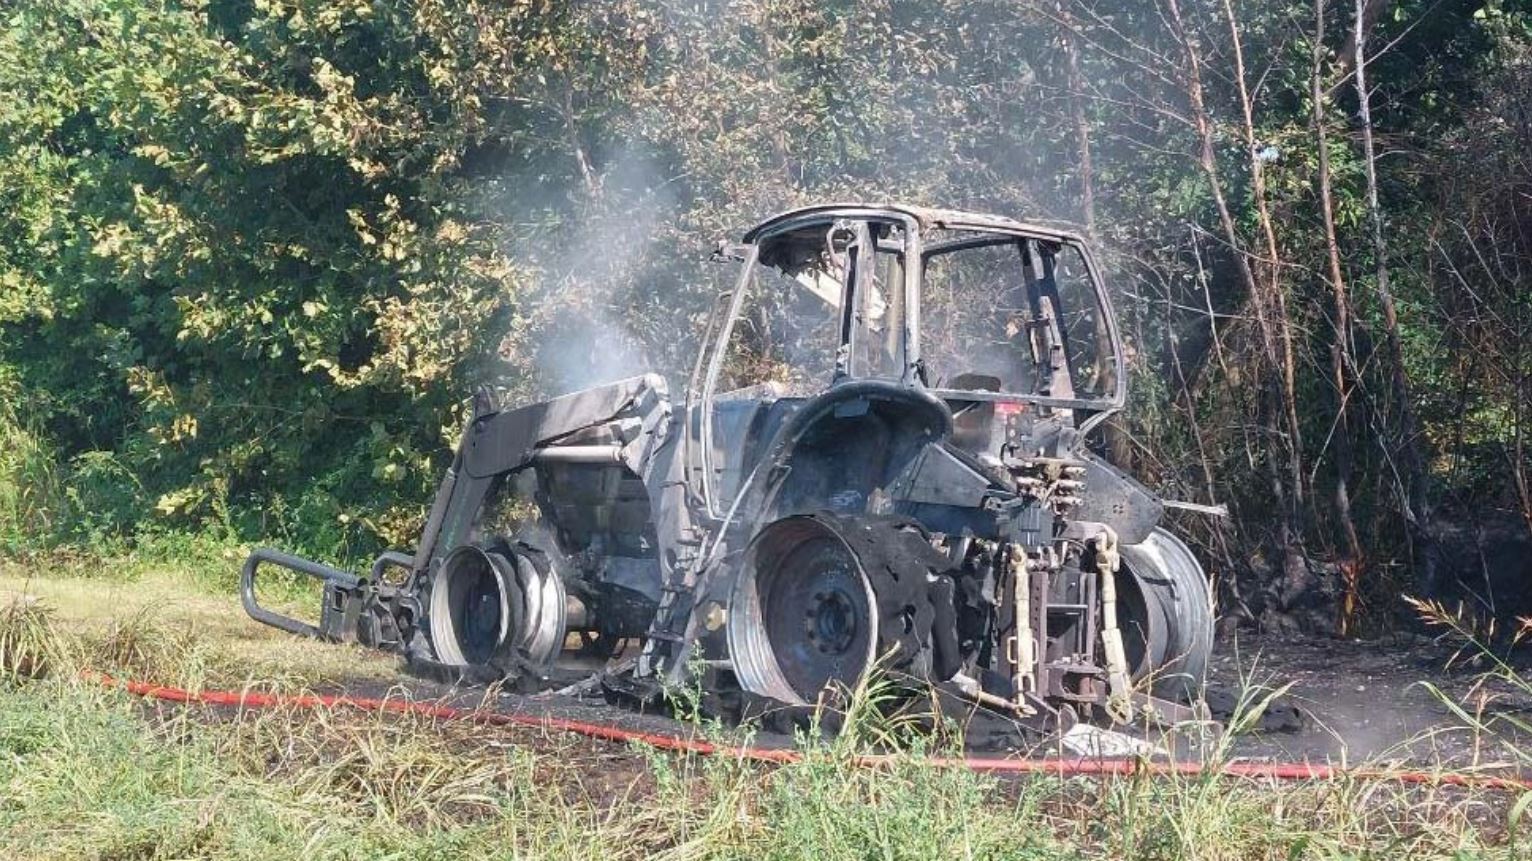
point(30, 489)
point(91, 773)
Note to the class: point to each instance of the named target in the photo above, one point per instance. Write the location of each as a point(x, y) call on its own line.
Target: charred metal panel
point(939, 477)
point(1113, 497)
point(503, 441)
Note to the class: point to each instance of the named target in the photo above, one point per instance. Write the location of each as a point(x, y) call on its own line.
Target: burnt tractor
point(879, 464)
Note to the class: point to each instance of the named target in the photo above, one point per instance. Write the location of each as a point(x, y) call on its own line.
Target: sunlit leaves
point(266, 202)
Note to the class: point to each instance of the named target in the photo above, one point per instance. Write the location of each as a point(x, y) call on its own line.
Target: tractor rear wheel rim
point(817, 611)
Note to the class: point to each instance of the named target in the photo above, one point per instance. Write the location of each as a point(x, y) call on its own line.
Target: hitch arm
point(341, 607)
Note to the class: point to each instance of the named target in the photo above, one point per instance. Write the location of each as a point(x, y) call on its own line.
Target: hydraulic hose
point(989, 765)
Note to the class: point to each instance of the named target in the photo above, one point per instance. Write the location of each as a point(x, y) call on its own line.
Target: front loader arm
point(630, 417)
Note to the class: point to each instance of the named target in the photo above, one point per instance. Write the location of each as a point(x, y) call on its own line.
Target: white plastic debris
point(1093, 741)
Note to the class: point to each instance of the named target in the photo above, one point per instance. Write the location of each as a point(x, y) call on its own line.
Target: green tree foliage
point(255, 253)
point(238, 267)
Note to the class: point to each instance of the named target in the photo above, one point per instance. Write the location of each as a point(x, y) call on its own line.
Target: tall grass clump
point(31, 488)
point(144, 645)
point(1508, 729)
point(30, 644)
point(36, 645)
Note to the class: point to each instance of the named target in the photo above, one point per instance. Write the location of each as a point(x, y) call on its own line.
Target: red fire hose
point(989, 765)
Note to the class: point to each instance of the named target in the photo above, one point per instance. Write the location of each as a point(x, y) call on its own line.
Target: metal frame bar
point(916, 222)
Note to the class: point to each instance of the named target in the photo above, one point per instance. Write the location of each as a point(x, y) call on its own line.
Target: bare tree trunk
point(1207, 161)
point(1081, 127)
point(1519, 467)
point(1519, 451)
point(1272, 268)
point(1367, 15)
point(1340, 352)
point(1278, 403)
point(589, 179)
point(1417, 504)
point(1220, 528)
point(1195, 425)
point(1119, 447)
point(1519, 420)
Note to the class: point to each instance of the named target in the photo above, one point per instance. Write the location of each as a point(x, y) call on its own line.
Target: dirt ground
point(1347, 701)
point(1355, 700)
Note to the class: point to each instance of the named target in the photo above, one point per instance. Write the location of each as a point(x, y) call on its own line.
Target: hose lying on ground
point(988, 765)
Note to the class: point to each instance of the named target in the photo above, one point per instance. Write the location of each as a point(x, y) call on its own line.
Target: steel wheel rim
point(803, 614)
point(471, 607)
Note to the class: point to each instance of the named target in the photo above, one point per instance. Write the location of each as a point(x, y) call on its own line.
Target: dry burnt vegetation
point(254, 254)
point(90, 772)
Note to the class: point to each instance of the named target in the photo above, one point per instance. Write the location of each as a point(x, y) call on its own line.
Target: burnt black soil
point(1353, 700)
